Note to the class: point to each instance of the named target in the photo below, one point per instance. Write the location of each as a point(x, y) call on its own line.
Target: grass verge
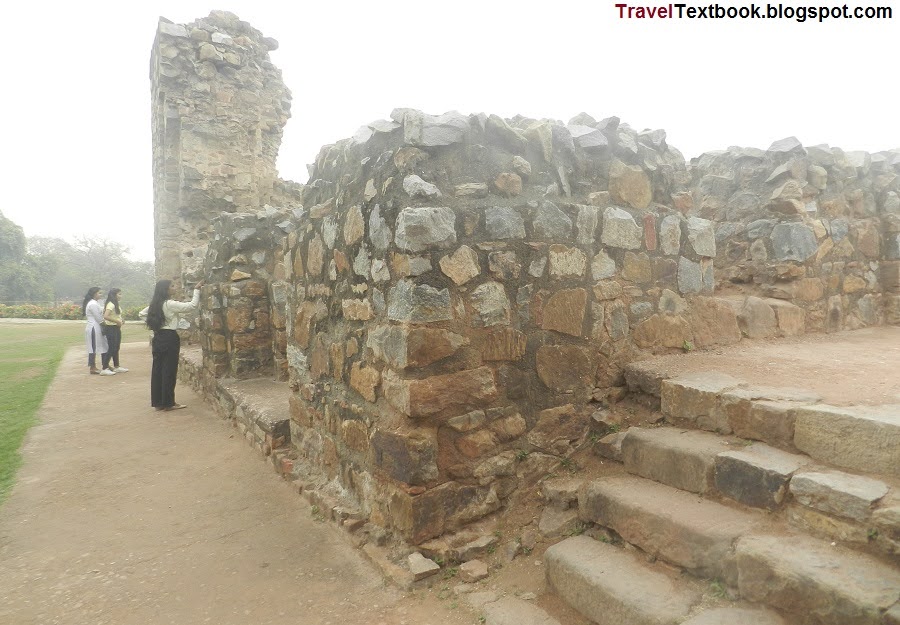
point(29, 356)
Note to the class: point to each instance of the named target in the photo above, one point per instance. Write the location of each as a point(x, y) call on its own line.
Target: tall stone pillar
point(219, 110)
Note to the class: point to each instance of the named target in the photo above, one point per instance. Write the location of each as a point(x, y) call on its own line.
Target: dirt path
point(126, 515)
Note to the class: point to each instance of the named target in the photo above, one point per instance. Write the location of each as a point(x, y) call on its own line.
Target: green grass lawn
point(29, 356)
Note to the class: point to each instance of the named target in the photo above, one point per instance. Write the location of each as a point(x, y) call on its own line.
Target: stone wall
point(817, 227)
point(451, 297)
point(219, 109)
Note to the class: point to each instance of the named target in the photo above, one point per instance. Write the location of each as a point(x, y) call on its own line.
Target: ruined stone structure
point(219, 110)
point(450, 297)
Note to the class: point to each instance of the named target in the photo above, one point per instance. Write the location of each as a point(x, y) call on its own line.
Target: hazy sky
point(76, 92)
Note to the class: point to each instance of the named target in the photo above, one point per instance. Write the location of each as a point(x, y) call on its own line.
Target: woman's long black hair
point(155, 315)
point(87, 298)
point(113, 296)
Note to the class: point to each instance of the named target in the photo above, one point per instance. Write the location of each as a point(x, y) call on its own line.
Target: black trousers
point(164, 374)
point(114, 338)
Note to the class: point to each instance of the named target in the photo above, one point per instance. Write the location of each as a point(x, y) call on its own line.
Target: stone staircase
point(790, 506)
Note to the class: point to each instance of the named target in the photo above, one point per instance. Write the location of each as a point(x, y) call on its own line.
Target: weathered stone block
point(463, 390)
point(439, 509)
point(502, 222)
point(567, 261)
point(564, 311)
point(840, 494)
point(503, 344)
point(609, 585)
point(667, 523)
point(425, 227)
point(556, 523)
point(684, 459)
point(403, 347)
point(815, 581)
point(364, 380)
point(461, 266)
point(629, 184)
point(418, 303)
point(420, 566)
point(563, 367)
point(620, 229)
point(404, 457)
point(663, 331)
point(491, 305)
point(863, 438)
point(694, 399)
point(736, 616)
point(551, 223)
point(701, 236)
point(793, 241)
point(757, 476)
point(762, 420)
point(557, 427)
point(713, 322)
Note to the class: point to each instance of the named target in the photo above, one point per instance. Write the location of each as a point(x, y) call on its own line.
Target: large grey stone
point(684, 459)
point(420, 566)
point(793, 241)
point(787, 145)
point(670, 235)
point(863, 438)
point(433, 130)
point(608, 585)
point(379, 232)
point(620, 230)
point(588, 138)
point(551, 223)
point(690, 276)
point(418, 303)
point(760, 228)
point(756, 476)
point(503, 222)
point(416, 187)
point(817, 582)
point(602, 266)
point(837, 493)
point(673, 525)
point(491, 304)
point(701, 236)
point(586, 224)
point(425, 227)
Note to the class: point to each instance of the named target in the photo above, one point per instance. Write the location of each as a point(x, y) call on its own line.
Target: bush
point(34, 311)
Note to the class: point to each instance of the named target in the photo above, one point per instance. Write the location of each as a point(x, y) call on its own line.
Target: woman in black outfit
point(162, 316)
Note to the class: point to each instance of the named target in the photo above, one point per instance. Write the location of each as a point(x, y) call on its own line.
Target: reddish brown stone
point(298, 410)
point(250, 341)
point(439, 509)
point(713, 322)
point(318, 359)
point(509, 428)
point(555, 426)
point(650, 241)
point(238, 318)
point(503, 344)
point(355, 435)
point(563, 367)
point(405, 457)
point(364, 380)
point(340, 261)
point(461, 391)
point(298, 263)
point(253, 288)
point(336, 353)
point(508, 185)
point(304, 323)
point(662, 331)
point(564, 312)
point(217, 343)
point(428, 345)
point(477, 443)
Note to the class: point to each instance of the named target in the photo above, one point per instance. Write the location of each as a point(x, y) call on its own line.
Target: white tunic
point(174, 310)
point(94, 313)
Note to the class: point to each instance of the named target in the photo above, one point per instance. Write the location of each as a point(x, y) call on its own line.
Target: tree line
point(47, 270)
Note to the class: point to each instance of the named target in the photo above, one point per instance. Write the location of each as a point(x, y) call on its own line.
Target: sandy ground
point(846, 368)
point(122, 515)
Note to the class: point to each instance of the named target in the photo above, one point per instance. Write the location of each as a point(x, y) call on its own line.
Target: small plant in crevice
point(521, 454)
point(872, 534)
point(717, 589)
point(687, 346)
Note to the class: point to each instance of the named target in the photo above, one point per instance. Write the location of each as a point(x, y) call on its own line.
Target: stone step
point(736, 616)
point(860, 438)
point(514, 611)
point(684, 459)
point(816, 581)
point(612, 587)
point(757, 475)
point(667, 523)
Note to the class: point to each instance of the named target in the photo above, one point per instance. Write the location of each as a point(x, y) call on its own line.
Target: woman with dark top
point(93, 335)
point(162, 316)
point(112, 329)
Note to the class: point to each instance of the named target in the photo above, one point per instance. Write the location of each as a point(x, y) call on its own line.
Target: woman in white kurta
point(93, 336)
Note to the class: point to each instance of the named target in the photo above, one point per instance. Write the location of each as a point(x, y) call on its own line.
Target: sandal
point(175, 407)
point(95, 371)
